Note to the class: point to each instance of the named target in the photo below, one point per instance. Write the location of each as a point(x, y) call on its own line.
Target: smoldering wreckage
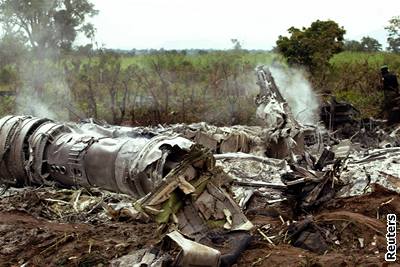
point(283, 193)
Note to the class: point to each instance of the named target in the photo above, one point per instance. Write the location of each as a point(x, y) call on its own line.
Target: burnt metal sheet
point(194, 254)
point(283, 133)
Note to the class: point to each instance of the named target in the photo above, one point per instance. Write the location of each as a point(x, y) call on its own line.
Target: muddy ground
point(348, 219)
point(354, 229)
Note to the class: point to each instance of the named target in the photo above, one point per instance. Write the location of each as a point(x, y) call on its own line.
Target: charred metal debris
point(200, 181)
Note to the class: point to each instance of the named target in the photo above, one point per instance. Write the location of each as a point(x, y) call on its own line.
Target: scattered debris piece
point(339, 114)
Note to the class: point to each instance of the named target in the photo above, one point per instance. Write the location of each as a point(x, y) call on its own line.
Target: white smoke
point(54, 91)
point(43, 90)
point(32, 105)
point(298, 92)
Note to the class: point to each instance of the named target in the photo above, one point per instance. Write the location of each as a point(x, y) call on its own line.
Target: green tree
point(352, 45)
point(369, 44)
point(48, 23)
point(236, 44)
point(313, 46)
point(394, 34)
point(12, 49)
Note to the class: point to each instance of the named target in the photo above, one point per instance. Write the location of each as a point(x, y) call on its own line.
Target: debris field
point(278, 194)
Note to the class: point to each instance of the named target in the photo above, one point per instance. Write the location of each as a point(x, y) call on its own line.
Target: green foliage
point(394, 34)
point(48, 23)
point(314, 46)
point(374, 60)
point(358, 84)
point(12, 50)
point(166, 87)
point(352, 45)
point(172, 86)
point(355, 77)
point(7, 75)
point(7, 104)
point(370, 44)
point(369, 104)
point(217, 86)
point(367, 44)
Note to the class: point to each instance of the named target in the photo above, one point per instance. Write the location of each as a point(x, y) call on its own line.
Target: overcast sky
point(180, 24)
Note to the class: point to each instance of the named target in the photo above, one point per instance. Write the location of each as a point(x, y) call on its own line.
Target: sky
point(211, 24)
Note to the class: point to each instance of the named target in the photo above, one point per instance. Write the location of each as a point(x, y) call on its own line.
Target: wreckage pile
point(91, 194)
point(173, 180)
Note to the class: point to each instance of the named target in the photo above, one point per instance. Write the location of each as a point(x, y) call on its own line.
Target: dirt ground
point(353, 218)
point(24, 237)
point(354, 228)
point(27, 234)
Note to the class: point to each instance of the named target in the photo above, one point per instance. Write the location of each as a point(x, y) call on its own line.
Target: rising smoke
point(41, 82)
point(298, 92)
point(43, 91)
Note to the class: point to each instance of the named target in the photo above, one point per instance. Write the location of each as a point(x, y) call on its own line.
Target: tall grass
point(355, 77)
point(374, 60)
point(215, 86)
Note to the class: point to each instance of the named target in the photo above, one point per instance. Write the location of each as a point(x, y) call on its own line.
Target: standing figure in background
point(390, 88)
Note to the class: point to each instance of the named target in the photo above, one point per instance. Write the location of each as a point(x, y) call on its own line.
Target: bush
point(7, 76)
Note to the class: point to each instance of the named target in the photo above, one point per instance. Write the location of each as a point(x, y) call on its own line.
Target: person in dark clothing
point(390, 88)
point(389, 80)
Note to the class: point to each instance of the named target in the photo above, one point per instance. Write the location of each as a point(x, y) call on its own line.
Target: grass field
point(212, 83)
point(372, 59)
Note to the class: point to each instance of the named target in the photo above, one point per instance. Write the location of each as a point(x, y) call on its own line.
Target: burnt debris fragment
point(336, 113)
point(283, 135)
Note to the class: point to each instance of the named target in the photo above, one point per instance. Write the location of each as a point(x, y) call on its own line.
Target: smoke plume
point(43, 90)
point(298, 92)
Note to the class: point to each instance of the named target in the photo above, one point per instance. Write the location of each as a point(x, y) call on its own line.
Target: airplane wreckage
point(193, 179)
